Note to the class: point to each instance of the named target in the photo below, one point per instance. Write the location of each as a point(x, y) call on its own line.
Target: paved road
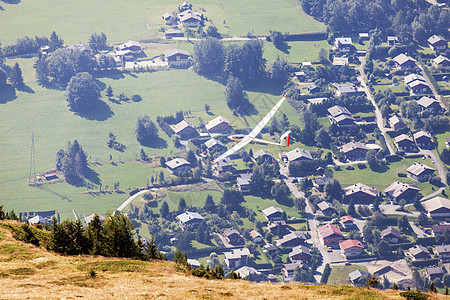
point(440, 170)
point(378, 115)
point(390, 209)
point(419, 232)
point(131, 198)
point(433, 90)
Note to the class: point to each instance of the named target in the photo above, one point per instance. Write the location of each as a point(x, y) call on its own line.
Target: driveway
point(419, 232)
point(390, 209)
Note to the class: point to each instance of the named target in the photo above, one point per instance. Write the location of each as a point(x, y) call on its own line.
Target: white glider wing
point(252, 135)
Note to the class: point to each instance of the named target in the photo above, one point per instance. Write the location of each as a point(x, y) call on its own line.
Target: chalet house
point(359, 192)
point(177, 58)
point(133, 46)
point(292, 239)
point(90, 218)
point(300, 76)
point(396, 123)
point(440, 229)
point(273, 213)
point(437, 207)
point(215, 145)
point(420, 172)
point(443, 251)
point(270, 249)
point(340, 116)
point(351, 247)
point(173, 32)
point(185, 6)
point(400, 190)
point(441, 62)
point(423, 139)
point(289, 269)
point(404, 62)
point(364, 36)
point(80, 47)
point(357, 277)
point(437, 43)
point(392, 40)
point(416, 84)
point(233, 237)
point(419, 252)
point(264, 154)
point(430, 104)
point(189, 220)
point(224, 165)
point(218, 125)
point(256, 236)
point(189, 18)
point(326, 208)
point(355, 151)
point(340, 61)
point(347, 89)
point(330, 235)
point(243, 182)
point(298, 154)
point(391, 235)
point(343, 44)
point(168, 17)
point(237, 258)
point(178, 165)
point(251, 274)
point(301, 252)
point(38, 220)
point(405, 143)
point(277, 226)
point(435, 272)
point(312, 88)
point(50, 176)
point(320, 182)
point(185, 130)
point(347, 222)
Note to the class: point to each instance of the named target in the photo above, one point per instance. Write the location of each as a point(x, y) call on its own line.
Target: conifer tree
point(15, 78)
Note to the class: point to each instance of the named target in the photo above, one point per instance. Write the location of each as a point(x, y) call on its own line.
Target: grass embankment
point(30, 272)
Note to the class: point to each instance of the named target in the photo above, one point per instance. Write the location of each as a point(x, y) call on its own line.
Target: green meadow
point(76, 20)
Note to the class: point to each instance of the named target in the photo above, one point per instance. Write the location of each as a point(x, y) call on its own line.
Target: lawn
point(339, 274)
point(296, 52)
point(381, 180)
point(76, 20)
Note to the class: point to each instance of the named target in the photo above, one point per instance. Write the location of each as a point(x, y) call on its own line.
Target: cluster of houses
point(185, 17)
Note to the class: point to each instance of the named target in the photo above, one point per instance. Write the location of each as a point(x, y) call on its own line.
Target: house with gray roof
point(177, 58)
point(358, 277)
point(441, 62)
point(355, 150)
point(273, 213)
point(340, 116)
point(347, 89)
point(237, 258)
point(233, 237)
point(243, 182)
point(400, 190)
point(326, 208)
point(404, 62)
point(173, 32)
point(430, 104)
point(343, 44)
point(189, 220)
point(178, 165)
point(264, 154)
point(134, 46)
point(423, 139)
point(91, 217)
point(437, 207)
point(251, 274)
point(189, 18)
point(215, 145)
point(224, 165)
point(435, 272)
point(292, 239)
point(298, 154)
point(300, 252)
point(437, 43)
point(185, 130)
point(443, 251)
point(420, 172)
point(37, 220)
point(419, 252)
point(289, 269)
point(396, 122)
point(360, 193)
point(404, 142)
point(218, 125)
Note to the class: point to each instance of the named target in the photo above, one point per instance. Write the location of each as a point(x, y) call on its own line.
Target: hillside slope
point(27, 271)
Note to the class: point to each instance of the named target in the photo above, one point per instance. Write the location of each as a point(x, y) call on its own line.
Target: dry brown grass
point(38, 274)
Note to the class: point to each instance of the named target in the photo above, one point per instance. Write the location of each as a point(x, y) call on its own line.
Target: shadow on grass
point(98, 111)
point(26, 89)
point(284, 47)
point(7, 94)
point(45, 188)
point(92, 176)
point(156, 142)
point(110, 74)
point(380, 168)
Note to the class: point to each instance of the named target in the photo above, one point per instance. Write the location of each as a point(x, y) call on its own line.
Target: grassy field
point(76, 20)
point(339, 274)
point(381, 180)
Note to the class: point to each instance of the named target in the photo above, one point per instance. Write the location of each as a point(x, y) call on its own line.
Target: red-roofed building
point(51, 176)
point(347, 221)
point(351, 247)
point(330, 235)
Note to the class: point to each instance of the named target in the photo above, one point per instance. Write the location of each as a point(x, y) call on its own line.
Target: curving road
point(131, 198)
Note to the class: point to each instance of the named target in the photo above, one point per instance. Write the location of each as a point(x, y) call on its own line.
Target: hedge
point(426, 241)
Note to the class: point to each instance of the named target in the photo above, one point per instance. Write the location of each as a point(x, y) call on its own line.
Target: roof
point(172, 52)
point(338, 110)
point(243, 181)
point(213, 142)
point(130, 44)
point(302, 249)
point(352, 146)
point(216, 121)
point(328, 230)
point(345, 219)
point(418, 249)
point(364, 34)
point(397, 188)
point(189, 15)
point(403, 137)
point(442, 248)
point(298, 153)
point(322, 180)
point(193, 262)
point(440, 59)
point(255, 234)
point(348, 244)
point(441, 228)
point(417, 83)
point(422, 133)
point(182, 125)
point(340, 61)
point(37, 219)
point(418, 168)
point(188, 216)
point(177, 162)
point(396, 120)
point(436, 203)
point(435, 38)
point(435, 270)
point(261, 152)
point(390, 231)
point(317, 100)
point(271, 210)
point(355, 275)
point(325, 205)
point(231, 231)
point(344, 40)
point(290, 236)
point(413, 77)
point(292, 266)
point(427, 101)
point(360, 187)
point(90, 218)
point(245, 271)
point(237, 253)
point(403, 58)
point(345, 88)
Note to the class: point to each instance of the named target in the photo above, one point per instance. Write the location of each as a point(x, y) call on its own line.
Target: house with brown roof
point(233, 237)
point(293, 239)
point(423, 139)
point(347, 222)
point(351, 247)
point(301, 252)
point(391, 235)
point(404, 62)
point(256, 236)
point(419, 252)
point(430, 104)
point(185, 130)
point(437, 43)
point(400, 190)
point(218, 125)
point(404, 142)
point(420, 172)
point(355, 150)
point(360, 193)
point(437, 207)
point(330, 235)
point(440, 229)
point(441, 62)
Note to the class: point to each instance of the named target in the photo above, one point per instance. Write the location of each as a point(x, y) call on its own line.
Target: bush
point(349, 167)
point(361, 166)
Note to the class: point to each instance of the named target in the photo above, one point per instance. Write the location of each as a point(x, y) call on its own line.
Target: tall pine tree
point(15, 78)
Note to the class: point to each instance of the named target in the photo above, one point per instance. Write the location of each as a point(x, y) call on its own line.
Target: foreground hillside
point(30, 272)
